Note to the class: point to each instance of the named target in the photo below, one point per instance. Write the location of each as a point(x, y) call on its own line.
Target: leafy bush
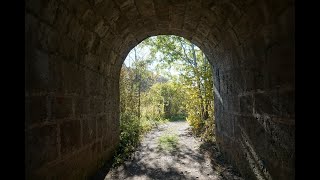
point(129, 137)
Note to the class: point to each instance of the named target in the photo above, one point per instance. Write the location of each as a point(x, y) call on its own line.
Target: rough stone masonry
point(74, 50)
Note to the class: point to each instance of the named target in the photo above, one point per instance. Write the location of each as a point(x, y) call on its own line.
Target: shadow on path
point(190, 159)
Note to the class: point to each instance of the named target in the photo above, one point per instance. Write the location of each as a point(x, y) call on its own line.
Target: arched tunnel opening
point(73, 55)
point(166, 113)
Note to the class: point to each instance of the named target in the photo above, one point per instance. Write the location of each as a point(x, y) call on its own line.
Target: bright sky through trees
point(152, 67)
point(144, 52)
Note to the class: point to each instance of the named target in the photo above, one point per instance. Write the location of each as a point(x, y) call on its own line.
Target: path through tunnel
point(74, 52)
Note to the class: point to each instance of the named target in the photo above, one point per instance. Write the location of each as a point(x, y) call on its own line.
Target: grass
point(168, 142)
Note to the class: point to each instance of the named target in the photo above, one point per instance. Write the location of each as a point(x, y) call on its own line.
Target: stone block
point(246, 104)
point(35, 6)
point(261, 80)
point(70, 134)
point(89, 130)
point(75, 29)
point(67, 48)
point(36, 108)
point(62, 20)
point(287, 103)
point(235, 13)
point(286, 23)
point(107, 142)
point(102, 125)
point(49, 38)
point(77, 7)
point(55, 74)
point(124, 3)
point(131, 12)
point(234, 104)
point(49, 11)
point(90, 42)
point(227, 125)
point(84, 161)
point(266, 103)
point(121, 24)
point(72, 77)
point(108, 10)
point(146, 8)
point(101, 28)
point(203, 29)
point(81, 106)
point(41, 146)
point(38, 68)
point(89, 19)
point(92, 61)
point(248, 77)
point(61, 107)
point(280, 60)
point(31, 35)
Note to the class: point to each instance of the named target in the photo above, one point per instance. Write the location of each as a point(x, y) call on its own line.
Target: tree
point(195, 72)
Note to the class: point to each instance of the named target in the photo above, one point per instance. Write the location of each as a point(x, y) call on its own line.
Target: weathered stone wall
point(71, 91)
point(74, 51)
point(254, 100)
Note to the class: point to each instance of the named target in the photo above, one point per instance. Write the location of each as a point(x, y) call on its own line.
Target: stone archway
point(74, 52)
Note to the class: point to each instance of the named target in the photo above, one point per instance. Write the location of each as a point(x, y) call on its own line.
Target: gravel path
point(188, 158)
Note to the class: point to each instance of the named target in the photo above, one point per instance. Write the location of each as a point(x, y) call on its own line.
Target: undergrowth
point(132, 130)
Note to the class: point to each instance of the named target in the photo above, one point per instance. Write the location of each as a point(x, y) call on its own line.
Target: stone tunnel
point(74, 50)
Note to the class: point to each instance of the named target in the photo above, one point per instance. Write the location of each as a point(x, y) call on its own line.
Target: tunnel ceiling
point(113, 28)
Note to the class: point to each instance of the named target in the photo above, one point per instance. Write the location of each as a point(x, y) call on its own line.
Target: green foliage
point(208, 134)
point(178, 117)
point(195, 79)
point(164, 100)
point(129, 137)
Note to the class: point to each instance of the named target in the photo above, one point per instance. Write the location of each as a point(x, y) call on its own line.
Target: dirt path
point(171, 152)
